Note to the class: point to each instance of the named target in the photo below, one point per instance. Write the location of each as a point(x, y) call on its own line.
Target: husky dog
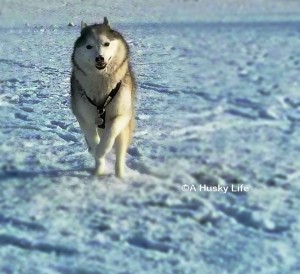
point(102, 93)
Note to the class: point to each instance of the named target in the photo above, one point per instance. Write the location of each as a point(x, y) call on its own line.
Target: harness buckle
point(100, 111)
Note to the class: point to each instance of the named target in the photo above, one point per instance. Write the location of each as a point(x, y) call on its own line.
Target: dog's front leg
point(111, 131)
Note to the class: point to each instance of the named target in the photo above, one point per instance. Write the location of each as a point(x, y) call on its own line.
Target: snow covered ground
point(217, 105)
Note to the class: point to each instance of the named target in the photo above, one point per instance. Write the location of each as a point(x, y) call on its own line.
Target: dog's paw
point(96, 173)
point(119, 173)
point(99, 167)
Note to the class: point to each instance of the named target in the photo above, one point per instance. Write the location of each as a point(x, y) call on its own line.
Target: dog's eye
point(106, 44)
point(88, 46)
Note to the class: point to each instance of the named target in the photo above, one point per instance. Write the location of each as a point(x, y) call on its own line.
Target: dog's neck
point(97, 85)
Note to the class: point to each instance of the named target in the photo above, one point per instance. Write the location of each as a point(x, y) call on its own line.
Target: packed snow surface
point(218, 104)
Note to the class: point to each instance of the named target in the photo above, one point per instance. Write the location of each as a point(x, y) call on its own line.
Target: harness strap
point(100, 120)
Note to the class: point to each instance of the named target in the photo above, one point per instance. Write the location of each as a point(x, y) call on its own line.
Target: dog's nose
point(99, 58)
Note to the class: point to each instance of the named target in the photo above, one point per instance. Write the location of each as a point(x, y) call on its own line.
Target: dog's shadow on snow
point(51, 173)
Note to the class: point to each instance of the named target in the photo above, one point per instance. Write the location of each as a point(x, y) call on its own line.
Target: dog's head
point(99, 48)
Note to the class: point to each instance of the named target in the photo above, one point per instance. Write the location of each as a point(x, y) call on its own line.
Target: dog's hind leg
point(121, 146)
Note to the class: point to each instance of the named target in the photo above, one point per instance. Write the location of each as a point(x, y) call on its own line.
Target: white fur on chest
point(96, 87)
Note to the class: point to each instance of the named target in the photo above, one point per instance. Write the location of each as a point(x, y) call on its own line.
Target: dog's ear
point(105, 21)
point(83, 25)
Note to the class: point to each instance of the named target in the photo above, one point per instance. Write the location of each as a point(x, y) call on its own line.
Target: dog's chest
point(96, 89)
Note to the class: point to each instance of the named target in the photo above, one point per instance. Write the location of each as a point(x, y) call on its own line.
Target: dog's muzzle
point(100, 63)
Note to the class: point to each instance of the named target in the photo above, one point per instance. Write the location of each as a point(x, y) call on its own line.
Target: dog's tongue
point(100, 65)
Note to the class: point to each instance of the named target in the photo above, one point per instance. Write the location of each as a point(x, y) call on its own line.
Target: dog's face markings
point(100, 50)
point(97, 46)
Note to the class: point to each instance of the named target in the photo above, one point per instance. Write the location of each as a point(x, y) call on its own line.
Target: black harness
point(100, 120)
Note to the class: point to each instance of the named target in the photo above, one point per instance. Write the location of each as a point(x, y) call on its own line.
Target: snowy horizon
point(16, 12)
